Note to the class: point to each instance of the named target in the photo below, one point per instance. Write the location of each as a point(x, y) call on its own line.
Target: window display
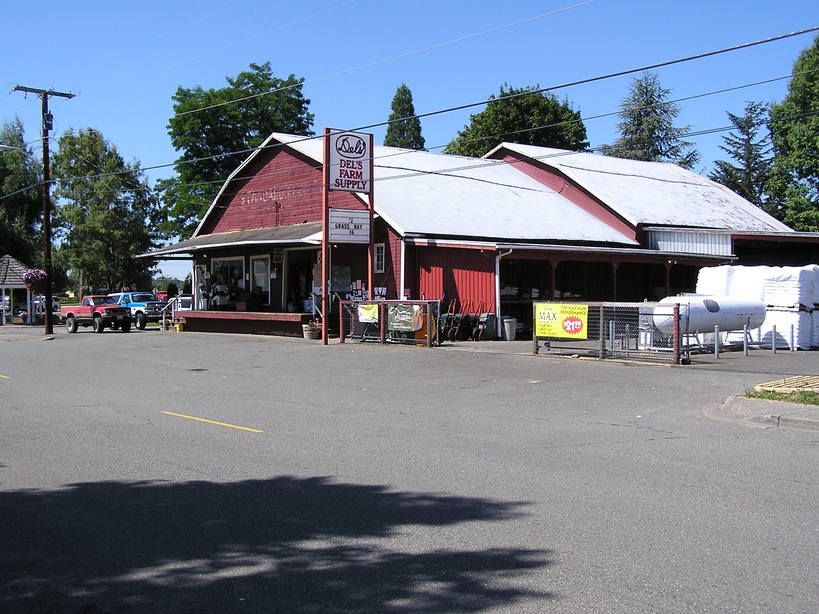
point(227, 279)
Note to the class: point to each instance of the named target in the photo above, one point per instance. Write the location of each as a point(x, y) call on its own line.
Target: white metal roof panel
point(438, 194)
point(654, 192)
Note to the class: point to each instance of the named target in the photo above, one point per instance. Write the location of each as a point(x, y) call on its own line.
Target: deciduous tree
point(793, 184)
point(21, 207)
point(211, 125)
point(106, 213)
point(647, 130)
point(405, 133)
point(521, 115)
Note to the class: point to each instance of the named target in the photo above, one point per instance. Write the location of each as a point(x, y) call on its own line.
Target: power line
point(393, 58)
point(490, 163)
point(539, 90)
point(312, 185)
point(600, 78)
point(381, 157)
point(552, 125)
point(276, 29)
point(613, 113)
point(460, 107)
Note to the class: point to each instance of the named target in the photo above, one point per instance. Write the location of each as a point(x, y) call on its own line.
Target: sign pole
point(371, 245)
point(325, 239)
point(348, 167)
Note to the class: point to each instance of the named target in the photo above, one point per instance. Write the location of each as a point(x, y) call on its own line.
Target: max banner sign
point(349, 163)
point(561, 320)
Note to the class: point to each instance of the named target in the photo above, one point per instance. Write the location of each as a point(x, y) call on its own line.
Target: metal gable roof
point(653, 192)
point(419, 192)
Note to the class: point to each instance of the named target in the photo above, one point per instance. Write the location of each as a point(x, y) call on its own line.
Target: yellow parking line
point(232, 426)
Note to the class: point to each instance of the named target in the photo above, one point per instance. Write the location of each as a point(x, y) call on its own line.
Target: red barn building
point(490, 233)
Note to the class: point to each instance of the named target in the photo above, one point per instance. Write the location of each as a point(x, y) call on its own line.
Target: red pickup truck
point(98, 310)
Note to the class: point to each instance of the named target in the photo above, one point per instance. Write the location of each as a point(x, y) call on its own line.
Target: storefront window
point(379, 258)
point(228, 279)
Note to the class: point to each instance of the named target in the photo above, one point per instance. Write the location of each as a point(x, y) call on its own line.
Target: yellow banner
point(368, 313)
point(565, 321)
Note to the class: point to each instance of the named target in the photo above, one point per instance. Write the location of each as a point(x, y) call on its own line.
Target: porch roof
point(309, 233)
point(11, 272)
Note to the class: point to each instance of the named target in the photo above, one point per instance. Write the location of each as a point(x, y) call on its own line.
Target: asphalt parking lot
point(155, 471)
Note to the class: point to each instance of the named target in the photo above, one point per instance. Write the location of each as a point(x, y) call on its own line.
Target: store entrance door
point(260, 279)
point(302, 275)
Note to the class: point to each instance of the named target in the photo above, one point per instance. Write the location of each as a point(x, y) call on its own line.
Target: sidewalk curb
point(730, 411)
point(802, 423)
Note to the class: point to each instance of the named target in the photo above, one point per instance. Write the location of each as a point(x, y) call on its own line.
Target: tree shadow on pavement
point(279, 545)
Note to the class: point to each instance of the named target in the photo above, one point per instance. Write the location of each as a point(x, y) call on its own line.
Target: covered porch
point(263, 281)
point(528, 273)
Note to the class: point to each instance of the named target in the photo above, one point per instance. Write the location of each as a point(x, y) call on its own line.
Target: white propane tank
point(704, 312)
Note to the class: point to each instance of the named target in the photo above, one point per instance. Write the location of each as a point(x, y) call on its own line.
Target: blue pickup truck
point(143, 305)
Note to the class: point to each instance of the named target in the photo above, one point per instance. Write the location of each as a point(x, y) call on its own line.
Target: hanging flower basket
point(35, 279)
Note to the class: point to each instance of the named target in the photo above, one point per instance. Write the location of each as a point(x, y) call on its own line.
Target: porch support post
point(371, 210)
point(498, 323)
point(325, 239)
point(553, 264)
point(668, 265)
point(614, 267)
point(497, 294)
point(402, 275)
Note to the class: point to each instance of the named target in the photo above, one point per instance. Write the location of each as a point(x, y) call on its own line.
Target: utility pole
point(48, 124)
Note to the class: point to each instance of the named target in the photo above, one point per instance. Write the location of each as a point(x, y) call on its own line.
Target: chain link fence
point(635, 331)
point(390, 321)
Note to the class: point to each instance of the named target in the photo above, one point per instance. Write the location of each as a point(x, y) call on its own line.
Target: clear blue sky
point(124, 60)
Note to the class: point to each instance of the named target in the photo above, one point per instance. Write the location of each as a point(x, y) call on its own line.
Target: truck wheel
point(126, 326)
point(71, 324)
point(97, 325)
point(140, 321)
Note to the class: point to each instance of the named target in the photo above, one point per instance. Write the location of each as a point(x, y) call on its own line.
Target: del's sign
point(349, 163)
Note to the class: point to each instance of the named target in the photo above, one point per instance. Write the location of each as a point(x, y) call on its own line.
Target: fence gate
point(637, 331)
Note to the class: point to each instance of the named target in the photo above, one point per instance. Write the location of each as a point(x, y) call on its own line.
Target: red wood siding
point(465, 274)
point(353, 256)
point(279, 188)
point(574, 193)
point(391, 277)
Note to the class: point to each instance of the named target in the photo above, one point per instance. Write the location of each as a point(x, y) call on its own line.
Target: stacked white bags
point(790, 294)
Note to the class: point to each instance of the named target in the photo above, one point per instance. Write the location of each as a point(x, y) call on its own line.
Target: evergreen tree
point(21, 207)
point(204, 127)
point(646, 127)
point(750, 152)
point(407, 133)
point(793, 184)
point(525, 116)
point(106, 214)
